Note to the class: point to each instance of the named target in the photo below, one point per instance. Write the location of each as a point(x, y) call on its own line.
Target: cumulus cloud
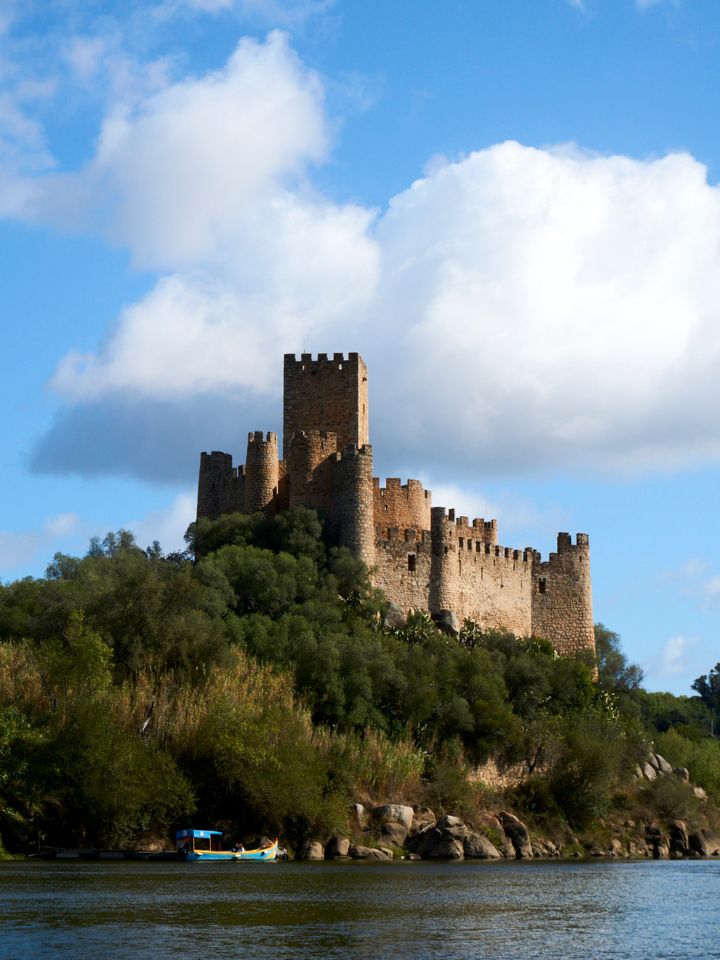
point(519, 308)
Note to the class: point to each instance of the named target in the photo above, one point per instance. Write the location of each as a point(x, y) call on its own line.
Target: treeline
point(259, 687)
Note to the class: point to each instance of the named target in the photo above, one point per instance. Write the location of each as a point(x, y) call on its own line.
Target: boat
point(204, 845)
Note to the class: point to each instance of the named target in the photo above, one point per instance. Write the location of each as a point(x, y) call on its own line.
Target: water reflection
point(404, 911)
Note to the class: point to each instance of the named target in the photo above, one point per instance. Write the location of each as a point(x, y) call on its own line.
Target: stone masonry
point(422, 557)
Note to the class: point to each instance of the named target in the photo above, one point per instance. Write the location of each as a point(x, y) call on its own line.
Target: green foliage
point(615, 672)
point(708, 686)
point(256, 685)
point(700, 757)
point(590, 762)
point(448, 788)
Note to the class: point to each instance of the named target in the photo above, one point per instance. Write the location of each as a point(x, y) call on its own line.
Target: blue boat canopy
point(190, 832)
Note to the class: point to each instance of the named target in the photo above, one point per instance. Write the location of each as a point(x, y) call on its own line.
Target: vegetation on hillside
point(258, 687)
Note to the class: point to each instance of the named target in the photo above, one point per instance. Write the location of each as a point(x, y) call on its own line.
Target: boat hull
point(264, 855)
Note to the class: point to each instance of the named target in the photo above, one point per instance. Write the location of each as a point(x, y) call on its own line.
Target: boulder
point(313, 850)
point(518, 835)
point(699, 793)
point(705, 843)
point(678, 839)
point(393, 833)
point(662, 764)
point(652, 760)
point(448, 821)
point(638, 772)
point(337, 847)
point(394, 617)
point(358, 852)
point(507, 849)
point(648, 771)
point(445, 848)
point(424, 817)
point(394, 813)
point(477, 847)
point(447, 621)
point(682, 773)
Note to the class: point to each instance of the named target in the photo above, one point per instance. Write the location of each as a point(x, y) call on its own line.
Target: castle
point(422, 557)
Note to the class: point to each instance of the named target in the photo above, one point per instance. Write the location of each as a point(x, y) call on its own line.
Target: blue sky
point(509, 208)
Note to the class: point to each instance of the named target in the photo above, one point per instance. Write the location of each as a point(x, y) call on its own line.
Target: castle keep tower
point(422, 557)
point(329, 395)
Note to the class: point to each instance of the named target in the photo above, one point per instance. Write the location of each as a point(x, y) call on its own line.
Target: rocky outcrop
point(477, 847)
point(678, 839)
point(313, 850)
point(394, 813)
point(336, 848)
point(394, 617)
point(517, 833)
point(393, 834)
point(447, 621)
point(358, 852)
point(706, 843)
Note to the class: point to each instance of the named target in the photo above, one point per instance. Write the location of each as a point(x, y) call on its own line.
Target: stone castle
point(422, 557)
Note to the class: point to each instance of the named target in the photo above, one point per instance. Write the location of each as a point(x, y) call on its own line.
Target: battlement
point(353, 452)
point(299, 436)
point(306, 364)
point(423, 557)
point(258, 438)
point(326, 394)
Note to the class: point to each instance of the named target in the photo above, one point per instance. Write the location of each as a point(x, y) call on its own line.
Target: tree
point(614, 670)
point(708, 686)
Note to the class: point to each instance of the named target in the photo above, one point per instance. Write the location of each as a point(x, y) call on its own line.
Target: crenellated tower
point(328, 395)
point(422, 557)
point(562, 596)
point(261, 472)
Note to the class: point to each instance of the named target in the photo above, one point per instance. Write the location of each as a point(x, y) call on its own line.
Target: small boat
point(194, 845)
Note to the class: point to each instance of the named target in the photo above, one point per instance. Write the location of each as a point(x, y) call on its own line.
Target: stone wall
point(562, 596)
point(221, 488)
point(405, 506)
point(402, 568)
point(328, 395)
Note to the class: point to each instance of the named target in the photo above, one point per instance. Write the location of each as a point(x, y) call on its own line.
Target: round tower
point(261, 471)
point(309, 477)
point(562, 597)
point(443, 561)
point(353, 502)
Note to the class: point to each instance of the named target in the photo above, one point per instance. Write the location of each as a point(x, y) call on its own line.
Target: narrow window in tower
point(412, 562)
point(542, 585)
point(462, 543)
point(339, 366)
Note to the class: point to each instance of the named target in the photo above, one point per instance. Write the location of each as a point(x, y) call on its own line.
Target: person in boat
point(238, 848)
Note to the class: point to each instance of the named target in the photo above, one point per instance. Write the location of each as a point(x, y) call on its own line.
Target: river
point(602, 910)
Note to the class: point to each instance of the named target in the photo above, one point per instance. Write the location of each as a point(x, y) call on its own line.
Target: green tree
point(615, 672)
point(708, 686)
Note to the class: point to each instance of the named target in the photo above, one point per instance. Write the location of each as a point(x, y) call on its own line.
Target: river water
point(603, 910)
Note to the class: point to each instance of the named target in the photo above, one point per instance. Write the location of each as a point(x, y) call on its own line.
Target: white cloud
point(168, 525)
point(19, 548)
point(519, 308)
point(675, 659)
point(175, 174)
point(646, 4)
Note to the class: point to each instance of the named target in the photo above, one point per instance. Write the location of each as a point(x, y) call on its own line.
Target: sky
point(509, 208)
